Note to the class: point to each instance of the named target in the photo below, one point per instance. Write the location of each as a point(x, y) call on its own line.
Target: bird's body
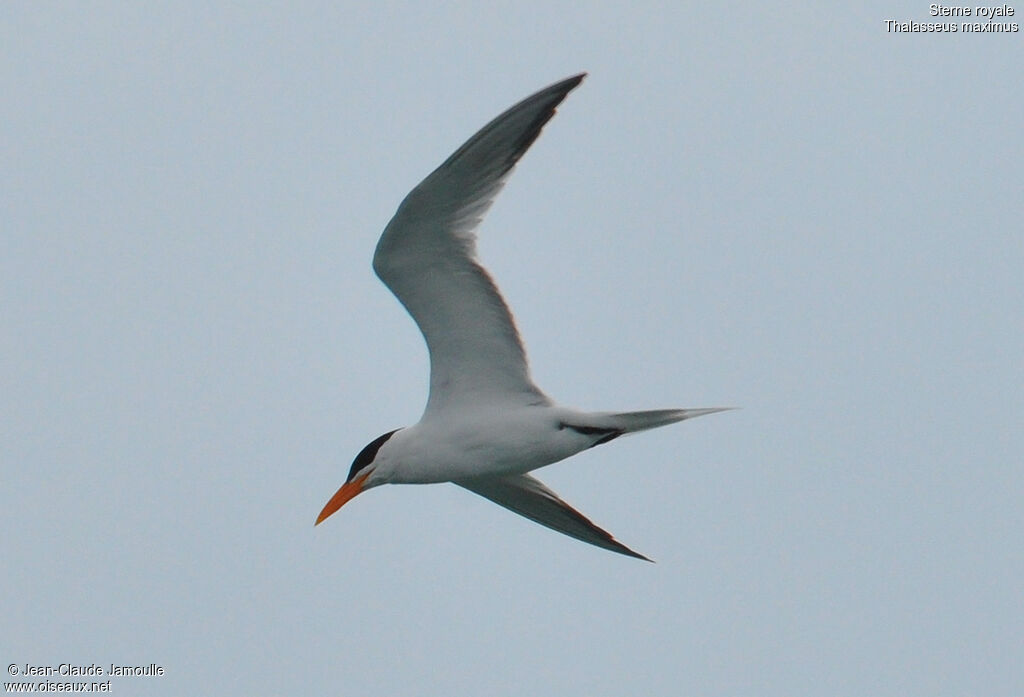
point(486, 424)
point(482, 442)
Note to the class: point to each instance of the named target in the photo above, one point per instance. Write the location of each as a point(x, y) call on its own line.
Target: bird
point(486, 425)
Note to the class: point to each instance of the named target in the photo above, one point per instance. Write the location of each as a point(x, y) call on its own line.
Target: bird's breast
point(482, 444)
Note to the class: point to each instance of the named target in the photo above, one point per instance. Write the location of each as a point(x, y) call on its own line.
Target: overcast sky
point(791, 210)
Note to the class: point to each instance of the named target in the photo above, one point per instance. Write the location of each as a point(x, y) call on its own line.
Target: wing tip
point(630, 553)
point(573, 80)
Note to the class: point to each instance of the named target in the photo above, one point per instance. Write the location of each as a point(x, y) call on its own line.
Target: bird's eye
point(366, 455)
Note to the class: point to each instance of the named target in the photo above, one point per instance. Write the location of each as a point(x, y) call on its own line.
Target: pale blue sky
point(786, 209)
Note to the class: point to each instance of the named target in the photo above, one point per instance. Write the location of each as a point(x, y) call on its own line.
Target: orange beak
point(348, 491)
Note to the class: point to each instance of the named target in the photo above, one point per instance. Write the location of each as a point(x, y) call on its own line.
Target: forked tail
point(605, 425)
point(633, 421)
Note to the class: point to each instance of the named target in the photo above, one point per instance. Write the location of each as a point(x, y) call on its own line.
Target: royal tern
point(486, 425)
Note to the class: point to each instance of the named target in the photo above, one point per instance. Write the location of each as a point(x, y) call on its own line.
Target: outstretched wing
point(530, 498)
point(427, 257)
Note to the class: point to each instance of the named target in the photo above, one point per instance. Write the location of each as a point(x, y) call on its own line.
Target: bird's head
point(360, 477)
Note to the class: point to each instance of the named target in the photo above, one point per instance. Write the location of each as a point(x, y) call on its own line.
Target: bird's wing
point(427, 257)
point(530, 498)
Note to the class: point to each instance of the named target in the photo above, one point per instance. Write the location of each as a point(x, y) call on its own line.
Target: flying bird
point(486, 425)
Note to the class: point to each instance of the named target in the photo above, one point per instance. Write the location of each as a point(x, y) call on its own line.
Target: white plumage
point(486, 424)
